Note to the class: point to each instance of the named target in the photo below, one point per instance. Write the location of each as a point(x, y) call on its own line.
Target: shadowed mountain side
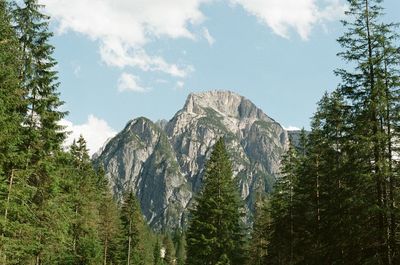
point(163, 162)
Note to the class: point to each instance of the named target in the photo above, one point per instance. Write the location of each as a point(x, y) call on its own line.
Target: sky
point(122, 59)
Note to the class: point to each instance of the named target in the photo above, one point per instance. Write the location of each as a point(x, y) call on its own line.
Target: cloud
point(124, 27)
point(208, 37)
point(300, 15)
point(140, 59)
point(95, 131)
point(129, 82)
point(291, 128)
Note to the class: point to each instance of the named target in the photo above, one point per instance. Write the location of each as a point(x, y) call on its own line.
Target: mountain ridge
point(163, 161)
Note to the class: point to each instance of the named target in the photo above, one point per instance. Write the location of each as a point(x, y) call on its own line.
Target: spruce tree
point(368, 44)
point(15, 191)
point(83, 202)
point(157, 253)
point(169, 257)
point(281, 235)
point(110, 224)
point(180, 247)
point(215, 234)
point(260, 233)
point(133, 230)
point(42, 136)
point(39, 81)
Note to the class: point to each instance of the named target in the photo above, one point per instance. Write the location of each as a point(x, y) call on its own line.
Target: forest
point(336, 201)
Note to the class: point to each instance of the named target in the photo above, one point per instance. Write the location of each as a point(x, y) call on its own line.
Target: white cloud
point(129, 82)
point(291, 128)
point(206, 34)
point(140, 59)
point(301, 15)
point(95, 131)
point(124, 27)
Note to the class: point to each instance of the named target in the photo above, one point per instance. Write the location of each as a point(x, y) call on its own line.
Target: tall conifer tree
point(215, 234)
point(369, 43)
point(15, 193)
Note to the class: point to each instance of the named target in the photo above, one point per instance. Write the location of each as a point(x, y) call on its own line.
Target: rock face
point(163, 162)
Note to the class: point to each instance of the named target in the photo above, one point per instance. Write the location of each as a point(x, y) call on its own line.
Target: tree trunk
point(8, 199)
point(129, 243)
point(392, 184)
point(105, 251)
point(376, 152)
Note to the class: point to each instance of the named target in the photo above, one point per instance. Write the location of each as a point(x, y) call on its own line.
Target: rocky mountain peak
point(226, 103)
point(163, 162)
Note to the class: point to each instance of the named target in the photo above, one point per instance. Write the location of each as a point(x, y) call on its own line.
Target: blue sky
point(119, 60)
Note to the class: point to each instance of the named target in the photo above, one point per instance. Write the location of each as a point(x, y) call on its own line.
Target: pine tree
point(321, 191)
point(133, 227)
point(180, 247)
point(260, 232)
point(368, 44)
point(343, 203)
point(215, 234)
point(169, 257)
point(84, 201)
point(15, 191)
point(157, 253)
point(41, 134)
point(110, 225)
point(39, 80)
point(281, 234)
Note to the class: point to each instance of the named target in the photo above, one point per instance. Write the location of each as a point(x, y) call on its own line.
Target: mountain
point(163, 162)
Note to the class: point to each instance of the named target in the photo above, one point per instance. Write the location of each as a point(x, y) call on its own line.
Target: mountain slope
point(163, 162)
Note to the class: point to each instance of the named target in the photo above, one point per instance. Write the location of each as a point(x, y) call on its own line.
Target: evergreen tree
point(110, 226)
point(15, 192)
point(84, 203)
point(42, 136)
point(157, 253)
point(215, 234)
point(180, 247)
point(260, 232)
point(169, 257)
point(343, 203)
point(39, 81)
point(54, 208)
point(281, 235)
point(370, 88)
point(133, 230)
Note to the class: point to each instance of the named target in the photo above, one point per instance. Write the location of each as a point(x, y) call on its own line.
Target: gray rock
point(163, 162)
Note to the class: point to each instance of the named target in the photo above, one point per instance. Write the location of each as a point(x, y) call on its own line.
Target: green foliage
point(340, 209)
point(169, 257)
point(281, 246)
point(215, 234)
point(180, 247)
point(54, 207)
point(134, 247)
point(259, 236)
point(39, 81)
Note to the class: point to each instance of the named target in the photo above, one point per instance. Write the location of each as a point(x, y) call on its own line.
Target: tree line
point(337, 200)
point(55, 208)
